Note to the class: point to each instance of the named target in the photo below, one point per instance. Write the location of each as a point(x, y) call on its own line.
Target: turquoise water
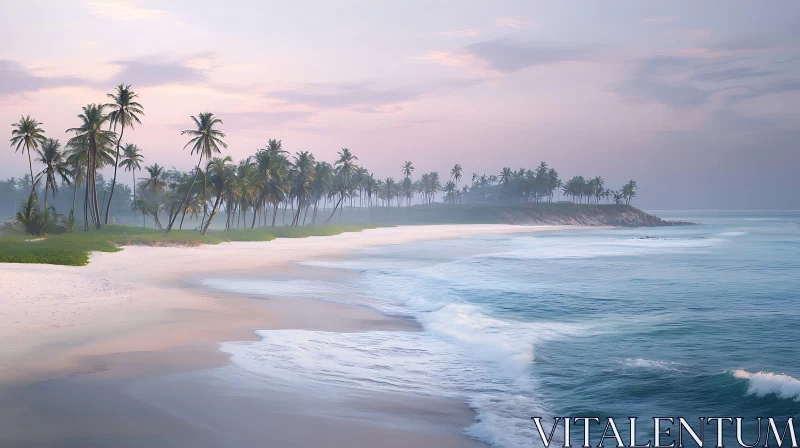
point(684, 321)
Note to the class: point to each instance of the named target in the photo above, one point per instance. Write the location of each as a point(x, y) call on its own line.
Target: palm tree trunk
point(74, 195)
point(158, 221)
point(95, 199)
point(314, 216)
point(180, 227)
point(30, 165)
point(334, 210)
point(133, 176)
point(274, 212)
point(211, 216)
point(188, 192)
point(114, 182)
point(86, 197)
point(93, 168)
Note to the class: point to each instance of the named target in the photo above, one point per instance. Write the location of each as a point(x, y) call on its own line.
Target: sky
point(696, 101)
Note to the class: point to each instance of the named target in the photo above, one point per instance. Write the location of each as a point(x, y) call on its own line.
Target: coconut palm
point(93, 120)
point(629, 191)
point(206, 140)
point(346, 165)
point(125, 112)
point(154, 186)
point(54, 166)
point(323, 178)
point(408, 168)
point(27, 136)
point(506, 176)
point(220, 177)
point(391, 190)
point(303, 180)
point(450, 190)
point(407, 189)
point(599, 188)
point(455, 173)
point(131, 161)
point(32, 220)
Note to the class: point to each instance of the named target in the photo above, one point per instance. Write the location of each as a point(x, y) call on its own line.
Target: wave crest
point(766, 383)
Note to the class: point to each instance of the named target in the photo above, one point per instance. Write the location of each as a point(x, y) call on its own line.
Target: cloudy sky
point(697, 101)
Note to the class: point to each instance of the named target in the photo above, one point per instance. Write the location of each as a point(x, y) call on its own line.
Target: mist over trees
point(251, 192)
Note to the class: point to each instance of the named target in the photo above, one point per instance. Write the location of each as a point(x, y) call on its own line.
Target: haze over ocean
point(690, 321)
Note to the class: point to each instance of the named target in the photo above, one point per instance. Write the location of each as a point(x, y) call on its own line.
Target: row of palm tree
point(258, 186)
point(543, 183)
point(89, 147)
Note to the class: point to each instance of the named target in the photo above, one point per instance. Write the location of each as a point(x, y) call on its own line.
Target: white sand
point(53, 317)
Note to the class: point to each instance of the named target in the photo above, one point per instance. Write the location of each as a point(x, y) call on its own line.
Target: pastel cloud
point(121, 10)
point(261, 120)
point(511, 22)
point(152, 72)
point(457, 58)
point(359, 96)
point(506, 56)
point(503, 55)
point(18, 79)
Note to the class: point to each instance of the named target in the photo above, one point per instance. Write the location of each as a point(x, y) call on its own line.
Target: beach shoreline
point(139, 313)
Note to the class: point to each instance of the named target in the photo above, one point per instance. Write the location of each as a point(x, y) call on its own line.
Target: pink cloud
point(448, 58)
point(510, 22)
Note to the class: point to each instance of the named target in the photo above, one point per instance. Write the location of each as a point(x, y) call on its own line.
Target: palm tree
point(220, 176)
point(272, 166)
point(506, 176)
point(455, 173)
point(619, 196)
point(125, 112)
point(32, 220)
point(206, 140)
point(131, 161)
point(408, 168)
point(346, 164)
point(323, 178)
point(599, 188)
point(27, 136)
point(54, 165)
point(629, 191)
point(155, 185)
point(390, 190)
point(304, 177)
point(370, 187)
point(407, 187)
point(93, 120)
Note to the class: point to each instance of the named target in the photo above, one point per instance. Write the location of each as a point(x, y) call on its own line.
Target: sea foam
point(766, 383)
point(464, 352)
point(650, 364)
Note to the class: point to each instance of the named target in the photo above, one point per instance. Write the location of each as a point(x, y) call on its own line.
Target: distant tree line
point(249, 193)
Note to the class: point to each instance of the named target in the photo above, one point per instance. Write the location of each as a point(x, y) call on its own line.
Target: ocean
point(672, 321)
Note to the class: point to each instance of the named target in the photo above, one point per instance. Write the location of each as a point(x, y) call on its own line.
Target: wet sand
point(124, 352)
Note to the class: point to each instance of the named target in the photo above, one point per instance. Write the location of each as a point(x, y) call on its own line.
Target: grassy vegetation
point(73, 249)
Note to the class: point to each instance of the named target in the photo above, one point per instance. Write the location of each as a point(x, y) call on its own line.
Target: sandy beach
point(80, 334)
